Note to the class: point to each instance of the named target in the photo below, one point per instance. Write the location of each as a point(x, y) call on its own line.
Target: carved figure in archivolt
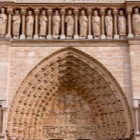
point(43, 24)
point(70, 24)
point(69, 102)
point(16, 24)
point(136, 22)
point(109, 24)
point(83, 20)
point(122, 24)
point(29, 24)
point(96, 25)
point(3, 22)
point(56, 24)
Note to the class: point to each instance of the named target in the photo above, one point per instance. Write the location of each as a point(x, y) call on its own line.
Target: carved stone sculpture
point(43, 24)
point(121, 24)
point(3, 22)
point(96, 25)
point(70, 24)
point(29, 25)
point(56, 24)
point(136, 22)
point(109, 24)
point(16, 24)
point(83, 20)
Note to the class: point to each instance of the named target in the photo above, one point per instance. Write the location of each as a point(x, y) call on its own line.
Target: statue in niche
point(109, 24)
point(3, 22)
point(96, 25)
point(61, 104)
point(122, 24)
point(43, 24)
point(16, 24)
point(69, 102)
point(56, 24)
point(83, 20)
point(77, 101)
point(70, 24)
point(136, 22)
point(29, 25)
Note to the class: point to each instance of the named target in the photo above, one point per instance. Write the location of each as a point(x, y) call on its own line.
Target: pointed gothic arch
point(70, 71)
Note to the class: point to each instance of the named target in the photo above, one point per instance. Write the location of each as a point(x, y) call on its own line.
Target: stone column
point(49, 36)
point(36, 11)
point(8, 35)
point(76, 36)
point(89, 24)
point(116, 36)
point(136, 109)
point(102, 11)
point(129, 22)
point(23, 12)
point(62, 36)
point(3, 120)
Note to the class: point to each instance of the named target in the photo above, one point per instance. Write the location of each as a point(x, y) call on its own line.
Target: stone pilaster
point(8, 35)
point(49, 36)
point(62, 36)
point(23, 12)
point(115, 12)
point(129, 22)
point(89, 24)
point(36, 11)
point(136, 109)
point(76, 36)
point(102, 12)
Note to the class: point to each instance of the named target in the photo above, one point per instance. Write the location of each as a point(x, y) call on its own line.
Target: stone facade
point(69, 71)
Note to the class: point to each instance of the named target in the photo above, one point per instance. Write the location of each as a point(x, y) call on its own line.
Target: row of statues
point(69, 24)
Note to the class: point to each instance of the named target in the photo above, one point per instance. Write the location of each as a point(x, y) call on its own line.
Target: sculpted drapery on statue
point(70, 24)
point(56, 24)
point(136, 22)
point(3, 22)
point(121, 24)
point(96, 25)
point(43, 24)
point(83, 20)
point(73, 23)
point(109, 24)
point(16, 24)
point(29, 25)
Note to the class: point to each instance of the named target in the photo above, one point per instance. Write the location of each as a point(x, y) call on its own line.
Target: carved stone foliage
point(71, 95)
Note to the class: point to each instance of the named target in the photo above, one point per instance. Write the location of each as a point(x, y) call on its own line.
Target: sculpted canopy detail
point(69, 23)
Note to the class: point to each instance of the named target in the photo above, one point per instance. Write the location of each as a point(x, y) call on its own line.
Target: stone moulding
point(25, 121)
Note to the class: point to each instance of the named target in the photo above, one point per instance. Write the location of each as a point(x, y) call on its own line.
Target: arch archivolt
point(68, 94)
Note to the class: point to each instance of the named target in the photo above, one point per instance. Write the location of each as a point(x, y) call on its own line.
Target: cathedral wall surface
point(115, 57)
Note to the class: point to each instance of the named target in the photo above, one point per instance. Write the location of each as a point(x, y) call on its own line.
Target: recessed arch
point(70, 83)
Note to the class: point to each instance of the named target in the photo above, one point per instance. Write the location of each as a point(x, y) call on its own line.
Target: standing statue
point(83, 20)
point(56, 24)
point(16, 24)
point(3, 22)
point(122, 24)
point(109, 24)
point(29, 25)
point(70, 24)
point(43, 24)
point(136, 22)
point(96, 25)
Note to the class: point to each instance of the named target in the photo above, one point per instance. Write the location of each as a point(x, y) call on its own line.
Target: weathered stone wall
point(115, 57)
